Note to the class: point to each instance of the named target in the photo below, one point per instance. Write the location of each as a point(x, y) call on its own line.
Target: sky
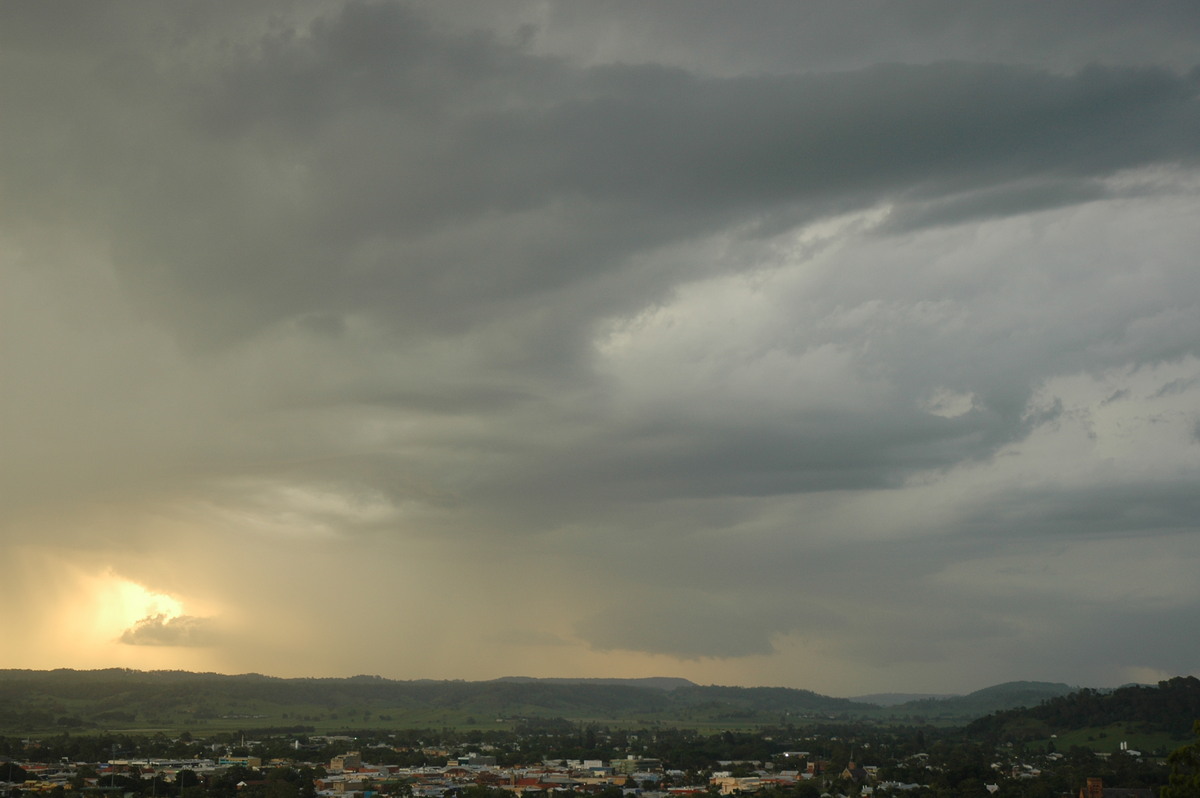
point(845, 346)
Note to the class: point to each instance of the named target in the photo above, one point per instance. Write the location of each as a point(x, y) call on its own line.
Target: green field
point(1108, 739)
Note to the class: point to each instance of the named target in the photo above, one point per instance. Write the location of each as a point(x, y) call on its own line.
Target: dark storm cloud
point(372, 164)
point(993, 202)
point(630, 158)
point(1095, 512)
point(728, 326)
point(722, 38)
point(783, 453)
point(431, 178)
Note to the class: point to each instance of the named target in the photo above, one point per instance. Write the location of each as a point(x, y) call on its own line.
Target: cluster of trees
point(1184, 781)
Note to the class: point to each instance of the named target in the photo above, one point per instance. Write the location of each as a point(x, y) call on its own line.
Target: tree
point(1184, 781)
point(13, 772)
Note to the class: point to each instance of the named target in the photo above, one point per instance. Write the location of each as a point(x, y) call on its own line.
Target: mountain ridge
point(655, 682)
point(78, 697)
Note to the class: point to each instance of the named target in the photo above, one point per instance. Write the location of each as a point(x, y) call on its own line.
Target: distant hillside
point(733, 703)
point(981, 702)
point(656, 682)
point(124, 699)
point(1171, 707)
point(118, 699)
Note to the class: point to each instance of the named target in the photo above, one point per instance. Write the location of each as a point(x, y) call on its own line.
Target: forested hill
point(117, 698)
point(1171, 707)
point(981, 702)
point(660, 682)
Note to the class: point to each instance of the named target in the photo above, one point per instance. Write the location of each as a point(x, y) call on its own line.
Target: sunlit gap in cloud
point(107, 605)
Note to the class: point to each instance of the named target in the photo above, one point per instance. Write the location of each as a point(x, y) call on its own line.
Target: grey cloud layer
point(364, 273)
point(716, 37)
point(373, 164)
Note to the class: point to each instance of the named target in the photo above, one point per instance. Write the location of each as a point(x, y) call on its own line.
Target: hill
point(982, 702)
point(119, 699)
point(658, 682)
point(126, 699)
point(1166, 710)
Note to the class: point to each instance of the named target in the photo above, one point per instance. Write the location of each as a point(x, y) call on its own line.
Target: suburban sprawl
point(1124, 743)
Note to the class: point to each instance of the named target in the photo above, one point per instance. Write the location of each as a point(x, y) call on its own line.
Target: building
point(349, 761)
point(1095, 789)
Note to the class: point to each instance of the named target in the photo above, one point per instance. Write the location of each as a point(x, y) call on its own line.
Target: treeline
point(1171, 707)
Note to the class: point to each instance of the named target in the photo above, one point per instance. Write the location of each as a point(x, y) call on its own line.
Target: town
point(547, 758)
